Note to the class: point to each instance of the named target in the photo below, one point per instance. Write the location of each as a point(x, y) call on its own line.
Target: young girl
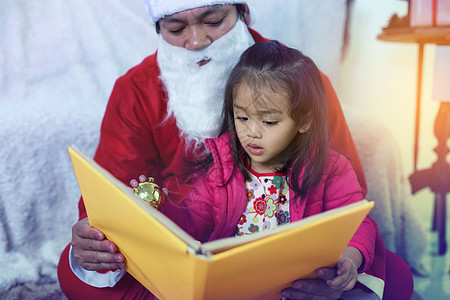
point(272, 164)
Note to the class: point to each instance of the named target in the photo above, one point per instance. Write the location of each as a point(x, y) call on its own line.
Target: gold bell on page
point(150, 192)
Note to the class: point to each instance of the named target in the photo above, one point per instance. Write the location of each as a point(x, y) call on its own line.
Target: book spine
point(200, 281)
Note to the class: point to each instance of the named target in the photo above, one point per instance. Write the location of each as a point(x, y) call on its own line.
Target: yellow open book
point(172, 265)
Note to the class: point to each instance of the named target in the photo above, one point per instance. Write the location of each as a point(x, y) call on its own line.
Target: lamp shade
point(441, 74)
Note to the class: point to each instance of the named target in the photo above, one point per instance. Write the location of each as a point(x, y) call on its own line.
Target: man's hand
point(92, 250)
point(314, 289)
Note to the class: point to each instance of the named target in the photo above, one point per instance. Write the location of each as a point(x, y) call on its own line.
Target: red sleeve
point(136, 138)
point(364, 240)
point(342, 189)
point(126, 147)
point(341, 139)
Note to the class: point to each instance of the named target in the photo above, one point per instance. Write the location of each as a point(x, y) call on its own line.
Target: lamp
point(441, 74)
point(437, 177)
point(441, 93)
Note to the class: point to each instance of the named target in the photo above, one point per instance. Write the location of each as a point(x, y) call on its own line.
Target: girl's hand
point(142, 178)
point(347, 270)
point(134, 183)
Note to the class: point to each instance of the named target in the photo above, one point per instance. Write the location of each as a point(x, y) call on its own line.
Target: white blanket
point(59, 60)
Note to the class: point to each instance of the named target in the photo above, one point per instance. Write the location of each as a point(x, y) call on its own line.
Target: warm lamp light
point(441, 74)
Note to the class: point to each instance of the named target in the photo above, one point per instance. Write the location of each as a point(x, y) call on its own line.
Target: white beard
point(196, 93)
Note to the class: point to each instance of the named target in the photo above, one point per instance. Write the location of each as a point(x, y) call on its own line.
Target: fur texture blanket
point(59, 60)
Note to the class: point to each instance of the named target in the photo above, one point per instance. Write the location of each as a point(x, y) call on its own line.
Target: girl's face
point(263, 126)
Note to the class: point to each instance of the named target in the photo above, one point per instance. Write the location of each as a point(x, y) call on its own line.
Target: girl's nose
point(254, 130)
point(197, 39)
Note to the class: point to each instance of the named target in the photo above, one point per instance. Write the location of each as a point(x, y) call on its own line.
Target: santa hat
point(158, 9)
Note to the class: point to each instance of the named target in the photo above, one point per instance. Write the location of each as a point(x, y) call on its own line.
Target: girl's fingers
point(134, 183)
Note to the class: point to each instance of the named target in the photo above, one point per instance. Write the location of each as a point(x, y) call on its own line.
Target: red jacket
point(218, 199)
point(134, 140)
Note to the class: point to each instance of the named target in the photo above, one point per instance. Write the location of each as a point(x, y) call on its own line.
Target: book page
point(132, 199)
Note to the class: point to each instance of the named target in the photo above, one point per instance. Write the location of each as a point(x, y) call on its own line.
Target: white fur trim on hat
point(158, 9)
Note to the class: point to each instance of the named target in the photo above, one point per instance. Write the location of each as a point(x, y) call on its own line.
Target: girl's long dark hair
point(286, 71)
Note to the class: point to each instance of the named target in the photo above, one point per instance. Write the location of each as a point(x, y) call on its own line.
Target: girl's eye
point(270, 123)
point(241, 118)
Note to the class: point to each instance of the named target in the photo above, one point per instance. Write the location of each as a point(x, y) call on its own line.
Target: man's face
point(195, 79)
point(197, 28)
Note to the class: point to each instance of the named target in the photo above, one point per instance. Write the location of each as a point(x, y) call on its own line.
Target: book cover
point(173, 265)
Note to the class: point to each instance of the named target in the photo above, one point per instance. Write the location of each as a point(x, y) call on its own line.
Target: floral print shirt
point(268, 203)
